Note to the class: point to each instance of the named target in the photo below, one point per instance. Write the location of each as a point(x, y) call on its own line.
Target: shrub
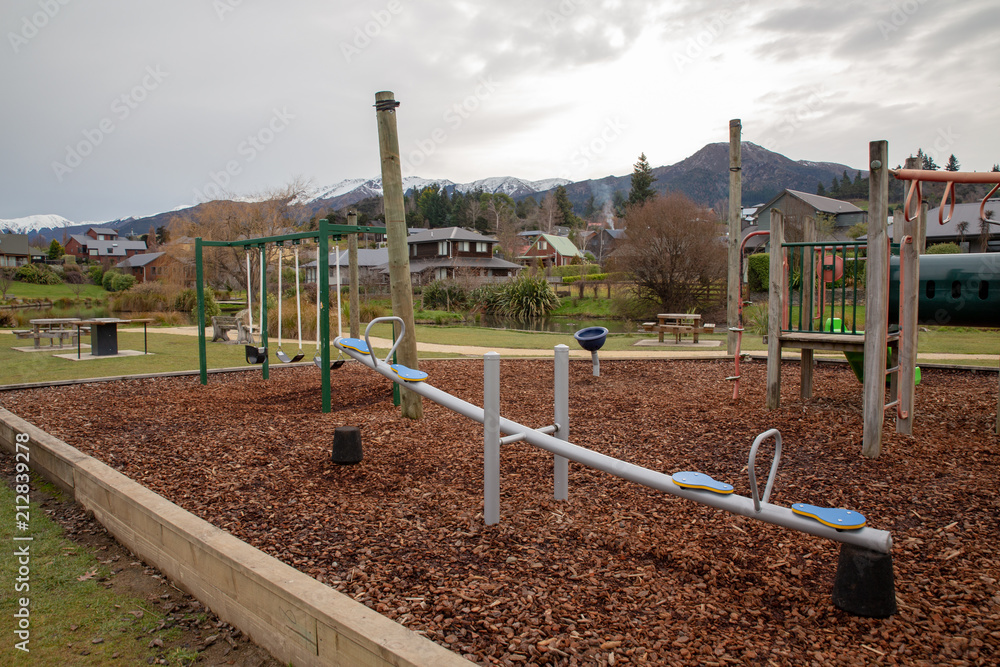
point(96, 274)
point(113, 281)
point(758, 271)
point(37, 274)
point(145, 297)
point(944, 249)
point(7, 319)
point(591, 276)
point(523, 298)
point(72, 275)
point(187, 302)
point(443, 295)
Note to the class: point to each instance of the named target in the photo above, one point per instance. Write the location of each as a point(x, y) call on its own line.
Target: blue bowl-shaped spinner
point(592, 338)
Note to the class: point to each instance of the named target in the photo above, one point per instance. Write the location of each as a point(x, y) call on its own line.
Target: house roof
point(964, 213)
point(103, 230)
point(616, 233)
point(135, 261)
point(115, 248)
point(367, 258)
point(14, 244)
point(818, 202)
point(448, 234)
point(561, 245)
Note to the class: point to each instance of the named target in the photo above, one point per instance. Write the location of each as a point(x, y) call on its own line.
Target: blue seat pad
point(834, 517)
point(699, 480)
point(355, 344)
point(408, 374)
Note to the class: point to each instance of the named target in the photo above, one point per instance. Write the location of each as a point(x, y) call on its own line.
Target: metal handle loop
point(399, 338)
point(774, 466)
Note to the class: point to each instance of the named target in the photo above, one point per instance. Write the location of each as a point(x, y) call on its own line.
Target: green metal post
point(199, 278)
point(323, 284)
point(263, 308)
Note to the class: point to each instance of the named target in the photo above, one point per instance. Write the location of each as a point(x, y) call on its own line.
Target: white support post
point(560, 464)
point(491, 438)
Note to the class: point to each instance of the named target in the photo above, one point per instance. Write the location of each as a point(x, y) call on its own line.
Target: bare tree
point(6, 280)
point(548, 213)
point(672, 249)
point(267, 213)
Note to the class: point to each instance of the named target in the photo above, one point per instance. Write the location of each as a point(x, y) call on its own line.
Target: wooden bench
point(52, 335)
point(677, 330)
point(221, 324)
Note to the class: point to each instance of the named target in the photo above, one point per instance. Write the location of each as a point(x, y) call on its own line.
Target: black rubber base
point(346, 445)
point(865, 585)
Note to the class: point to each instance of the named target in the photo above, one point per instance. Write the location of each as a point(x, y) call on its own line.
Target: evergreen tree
point(929, 163)
point(953, 164)
point(588, 207)
point(835, 187)
point(566, 208)
point(618, 201)
point(996, 167)
point(642, 182)
point(820, 190)
point(55, 250)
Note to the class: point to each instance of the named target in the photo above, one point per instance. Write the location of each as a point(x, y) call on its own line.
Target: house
point(602, 243)
point(14, 250)
point(797, 206)
point(370, 265)
point(158, 266)
point(102, 244)
point(436, 254)
point(965, 228)
point(551, 250)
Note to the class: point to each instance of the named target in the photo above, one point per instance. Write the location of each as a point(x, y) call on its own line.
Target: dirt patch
point(619, 574)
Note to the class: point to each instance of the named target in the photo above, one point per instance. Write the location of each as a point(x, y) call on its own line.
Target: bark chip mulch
point(619, 574)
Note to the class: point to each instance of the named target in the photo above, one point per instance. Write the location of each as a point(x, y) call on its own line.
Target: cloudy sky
point(132, 107)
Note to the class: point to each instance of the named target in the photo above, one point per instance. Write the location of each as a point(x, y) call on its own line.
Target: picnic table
point(679, 324)
point(104, 335)
point(53, 328)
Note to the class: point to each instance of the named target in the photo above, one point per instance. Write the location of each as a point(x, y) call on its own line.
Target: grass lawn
point(52, 292)
point(67, 615)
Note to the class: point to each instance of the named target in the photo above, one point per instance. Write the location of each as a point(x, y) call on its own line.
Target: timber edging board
point(290, 614)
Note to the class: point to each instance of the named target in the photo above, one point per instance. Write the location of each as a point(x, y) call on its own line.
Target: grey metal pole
point(869, 538)
point(491, 438)
point(560, 464)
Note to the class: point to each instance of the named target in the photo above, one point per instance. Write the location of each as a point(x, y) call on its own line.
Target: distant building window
point(482, 247)
point(463, 246)
point(543, 245)
point(92, 252)
point(441, 273)
point(413, 250)
point(442, 247)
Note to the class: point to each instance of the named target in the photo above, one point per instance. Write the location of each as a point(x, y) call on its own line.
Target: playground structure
point(896, 293)
point(865, 590)
point(322, 239)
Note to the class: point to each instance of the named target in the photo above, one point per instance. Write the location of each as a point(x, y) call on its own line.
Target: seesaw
point(873, 577)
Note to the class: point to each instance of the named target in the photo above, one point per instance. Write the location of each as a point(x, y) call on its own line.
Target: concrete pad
point(50, 348)
point(89, 357)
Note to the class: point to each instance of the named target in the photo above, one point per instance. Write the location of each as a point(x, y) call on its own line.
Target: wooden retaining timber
point(296, 618)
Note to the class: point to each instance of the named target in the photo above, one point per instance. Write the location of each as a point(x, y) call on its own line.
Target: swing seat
point(355, 344)
point(334, 365)
point(699, 480)
point(285, 359)
point(833, 517)
point(408, 374)
point(256, 355)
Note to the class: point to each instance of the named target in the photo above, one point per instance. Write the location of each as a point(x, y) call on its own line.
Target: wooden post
point(909, 260)
point(735, 293)
point(807, 303)
point(400, 286)
point(775, 306)
point(352, 259)
point(876, 286)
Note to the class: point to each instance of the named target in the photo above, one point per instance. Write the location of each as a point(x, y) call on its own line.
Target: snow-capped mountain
point(33, 223)
point(359, 188)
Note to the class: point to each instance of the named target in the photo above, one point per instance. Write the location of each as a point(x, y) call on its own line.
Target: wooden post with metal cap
point(400, 286)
